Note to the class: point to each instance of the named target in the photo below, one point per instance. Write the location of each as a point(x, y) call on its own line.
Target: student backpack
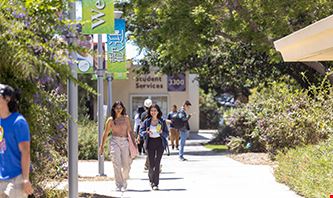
point(179, 120)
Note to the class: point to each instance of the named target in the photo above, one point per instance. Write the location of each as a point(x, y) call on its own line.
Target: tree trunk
point(320, 68)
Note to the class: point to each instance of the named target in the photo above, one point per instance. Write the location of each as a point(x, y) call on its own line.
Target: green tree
point(228, 42)
point(34, 59)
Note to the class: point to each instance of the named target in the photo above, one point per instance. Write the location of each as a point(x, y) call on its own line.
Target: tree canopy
point(229, 43)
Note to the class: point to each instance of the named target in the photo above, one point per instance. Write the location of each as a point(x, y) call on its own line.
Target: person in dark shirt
point(174, 133)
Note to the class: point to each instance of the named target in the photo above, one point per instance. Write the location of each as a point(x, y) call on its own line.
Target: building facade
point(161, 89)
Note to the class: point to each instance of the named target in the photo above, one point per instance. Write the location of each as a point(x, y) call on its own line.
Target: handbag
point(132, 147)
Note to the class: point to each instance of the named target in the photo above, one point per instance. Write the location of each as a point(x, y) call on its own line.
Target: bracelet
point(26, 181)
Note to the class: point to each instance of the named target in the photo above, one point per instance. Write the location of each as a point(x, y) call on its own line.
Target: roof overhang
point(312, 43)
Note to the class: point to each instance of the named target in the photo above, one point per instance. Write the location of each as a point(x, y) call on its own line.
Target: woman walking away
point(119, 125)
point(155, 132)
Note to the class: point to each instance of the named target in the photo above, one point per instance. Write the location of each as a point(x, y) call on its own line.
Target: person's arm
point(106, 132)
point(136, 123)
point(165, 132)
point(143, 129)
point(130, 131)
point(168, 120)
point(25, 165)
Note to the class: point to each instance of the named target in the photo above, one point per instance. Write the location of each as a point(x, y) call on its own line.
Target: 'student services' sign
point(98, 17)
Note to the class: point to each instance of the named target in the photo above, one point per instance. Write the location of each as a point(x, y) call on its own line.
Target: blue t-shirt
point(13, 130)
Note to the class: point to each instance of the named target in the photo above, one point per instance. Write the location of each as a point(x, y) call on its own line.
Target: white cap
point(148, 103)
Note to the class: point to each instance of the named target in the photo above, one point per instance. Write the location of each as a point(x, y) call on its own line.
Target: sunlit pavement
point(205, 174)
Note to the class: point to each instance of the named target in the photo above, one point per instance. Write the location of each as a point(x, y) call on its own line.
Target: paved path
point(205, 174)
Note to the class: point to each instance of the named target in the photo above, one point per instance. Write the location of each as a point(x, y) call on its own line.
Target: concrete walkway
point(205, 174)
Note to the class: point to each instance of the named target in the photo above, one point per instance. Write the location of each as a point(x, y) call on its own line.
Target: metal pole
point(72, 103)
point(100, 98)
point(109, 79)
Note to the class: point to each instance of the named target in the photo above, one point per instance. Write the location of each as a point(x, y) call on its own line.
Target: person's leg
point(14, 188)
point(147, 164)
point(172, 137)
point(115, 152)
point(126, 161)
point(151, 160)
point(183, 136)
point(158, 157)
point(140, 147)
point(177, 138)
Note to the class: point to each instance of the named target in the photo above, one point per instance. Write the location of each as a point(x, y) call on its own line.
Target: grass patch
point(217, 147)
point(308, 170)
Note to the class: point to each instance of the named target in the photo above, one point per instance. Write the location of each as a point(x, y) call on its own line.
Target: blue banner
point(116, 48)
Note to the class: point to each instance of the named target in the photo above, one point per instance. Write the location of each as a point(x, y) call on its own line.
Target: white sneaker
point(118, 189)
point(123, 189)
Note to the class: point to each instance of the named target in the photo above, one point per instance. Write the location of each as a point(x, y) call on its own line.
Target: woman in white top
point(155, 133)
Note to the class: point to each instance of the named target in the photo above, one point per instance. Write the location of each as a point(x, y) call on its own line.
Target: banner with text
point(97, 17)
point(116, 58)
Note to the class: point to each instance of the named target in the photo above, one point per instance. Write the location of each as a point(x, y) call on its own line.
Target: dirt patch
point(253, 158)
point(97, 178)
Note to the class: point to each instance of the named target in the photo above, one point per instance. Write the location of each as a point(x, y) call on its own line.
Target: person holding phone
point(155, 133)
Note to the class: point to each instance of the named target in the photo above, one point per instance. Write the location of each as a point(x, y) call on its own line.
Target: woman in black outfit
point(155, 133)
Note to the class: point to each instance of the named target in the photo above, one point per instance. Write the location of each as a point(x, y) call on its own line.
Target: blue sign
point(176, 82)
point(116, 48)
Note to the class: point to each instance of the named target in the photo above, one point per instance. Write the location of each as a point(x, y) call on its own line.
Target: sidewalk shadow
point(201, 153)
point(132, 190)
point(90, 195)
point(172, 189)
point(170, 178)
point(196, 136)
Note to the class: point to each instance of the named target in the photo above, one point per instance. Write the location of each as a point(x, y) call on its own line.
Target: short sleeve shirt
point(13, 130)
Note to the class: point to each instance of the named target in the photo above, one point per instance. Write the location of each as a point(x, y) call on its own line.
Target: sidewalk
point(205, 174)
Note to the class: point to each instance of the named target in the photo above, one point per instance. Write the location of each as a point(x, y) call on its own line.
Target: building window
point(160, 100)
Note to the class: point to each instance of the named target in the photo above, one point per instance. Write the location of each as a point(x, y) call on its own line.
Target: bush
point(308, 170)
point(210, 113)
point(88, 141)
point(279, 117)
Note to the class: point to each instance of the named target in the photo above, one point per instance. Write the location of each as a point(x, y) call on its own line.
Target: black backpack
point(178, 120)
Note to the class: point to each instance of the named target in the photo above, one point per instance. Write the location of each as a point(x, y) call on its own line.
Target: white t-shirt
point(154, 133)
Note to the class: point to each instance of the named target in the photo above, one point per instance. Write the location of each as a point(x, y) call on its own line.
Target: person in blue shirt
point(14, 147)
point(155, 133)
point(184, 131)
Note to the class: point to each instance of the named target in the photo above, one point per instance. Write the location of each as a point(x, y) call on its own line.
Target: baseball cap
point(6, 90)
point(148, 102)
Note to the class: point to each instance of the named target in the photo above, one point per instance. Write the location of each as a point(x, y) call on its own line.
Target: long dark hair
point(14, 96)
point(140, 110)
point(113, 112)
point(159, 115)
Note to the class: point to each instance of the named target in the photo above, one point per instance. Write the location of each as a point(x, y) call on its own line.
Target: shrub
point(308, 170)
point(210, 113)
point(279, 117)
point(88, 141)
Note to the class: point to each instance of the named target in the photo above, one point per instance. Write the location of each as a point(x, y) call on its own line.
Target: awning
point(312, 43)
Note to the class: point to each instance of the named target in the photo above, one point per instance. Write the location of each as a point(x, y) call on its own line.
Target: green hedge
point(308, 170)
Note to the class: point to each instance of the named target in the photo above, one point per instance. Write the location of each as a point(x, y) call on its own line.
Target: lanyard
point(1, 131)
